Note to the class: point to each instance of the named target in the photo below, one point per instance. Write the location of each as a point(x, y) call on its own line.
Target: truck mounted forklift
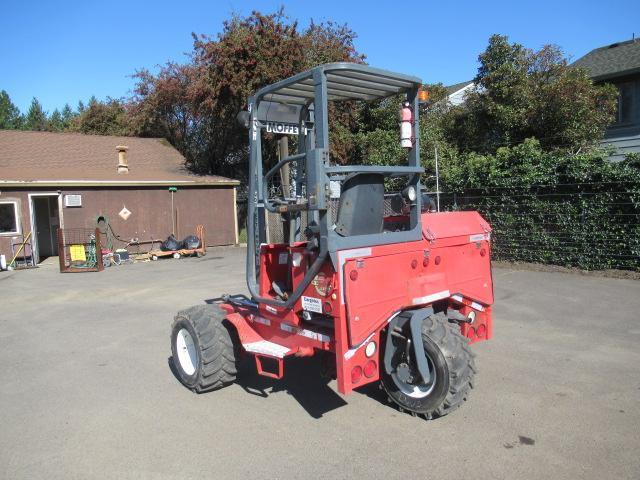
point(367, 274)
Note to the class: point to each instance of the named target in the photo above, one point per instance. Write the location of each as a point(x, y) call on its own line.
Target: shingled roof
point(72, 158)
point(451, 89)
point(611, 61)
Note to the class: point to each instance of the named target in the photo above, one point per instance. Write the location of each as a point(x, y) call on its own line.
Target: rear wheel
point(204, 348)
point(451, 367)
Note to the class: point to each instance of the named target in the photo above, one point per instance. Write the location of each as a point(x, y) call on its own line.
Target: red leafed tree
point(194, 105)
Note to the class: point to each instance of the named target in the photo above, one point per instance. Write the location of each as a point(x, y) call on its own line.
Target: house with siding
point(456, 93)
point(619, 64)
point(141, 185)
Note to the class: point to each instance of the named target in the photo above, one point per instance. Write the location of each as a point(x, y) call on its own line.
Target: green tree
point(376, 132)
point(194, 105)
point(36, 118)
point(55, 122)
point(521, 93)
point(10, 117)
point(67, 116)
point(102, 118)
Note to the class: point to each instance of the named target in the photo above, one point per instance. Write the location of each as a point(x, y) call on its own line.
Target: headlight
point(370, 349)
point(410, 193)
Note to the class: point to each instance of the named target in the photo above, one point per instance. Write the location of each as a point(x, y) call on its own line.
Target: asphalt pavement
point(86, 390)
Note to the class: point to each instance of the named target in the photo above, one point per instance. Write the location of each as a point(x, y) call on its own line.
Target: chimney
point(123, 163)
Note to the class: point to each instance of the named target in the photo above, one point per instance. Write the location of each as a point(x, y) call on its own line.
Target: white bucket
point(3, 262)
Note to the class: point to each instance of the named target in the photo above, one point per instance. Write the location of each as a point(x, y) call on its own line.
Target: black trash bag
point(191, 242)
point(171, 243)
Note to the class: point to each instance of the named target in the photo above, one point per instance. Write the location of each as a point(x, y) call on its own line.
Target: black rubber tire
point(454, 366)
point(216, 343)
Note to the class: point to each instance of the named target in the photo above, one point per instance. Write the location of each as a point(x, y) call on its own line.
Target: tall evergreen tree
point(10, 116)
point(36, 118)
point(55, 122)
point(67, 116)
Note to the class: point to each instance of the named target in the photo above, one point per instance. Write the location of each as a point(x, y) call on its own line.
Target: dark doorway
point(45, 229)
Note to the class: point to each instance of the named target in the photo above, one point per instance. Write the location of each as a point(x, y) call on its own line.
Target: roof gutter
point(614, 75)
point(116, 183)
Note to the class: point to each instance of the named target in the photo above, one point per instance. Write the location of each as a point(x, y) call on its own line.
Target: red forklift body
point(375, 281)
point(449, 267)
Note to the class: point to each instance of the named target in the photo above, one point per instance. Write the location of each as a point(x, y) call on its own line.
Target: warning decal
point(311, 304)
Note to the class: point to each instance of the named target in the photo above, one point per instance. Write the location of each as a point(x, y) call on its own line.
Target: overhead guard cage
point(307, 95)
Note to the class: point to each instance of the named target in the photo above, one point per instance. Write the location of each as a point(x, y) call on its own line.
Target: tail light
point(471, 334)
point(356, 374)
point(482, 330)
point(370, 368)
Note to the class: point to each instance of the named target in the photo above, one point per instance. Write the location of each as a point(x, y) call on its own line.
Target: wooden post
point(235, 213)
point(177, 232)
point(99, 264)
point(62, 257)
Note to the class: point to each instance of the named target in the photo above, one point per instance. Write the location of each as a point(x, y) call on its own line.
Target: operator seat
point(361, 207)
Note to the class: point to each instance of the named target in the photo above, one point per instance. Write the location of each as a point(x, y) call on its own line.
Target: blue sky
point(67, 51)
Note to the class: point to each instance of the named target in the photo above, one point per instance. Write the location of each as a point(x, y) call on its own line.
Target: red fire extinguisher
point(406, 125)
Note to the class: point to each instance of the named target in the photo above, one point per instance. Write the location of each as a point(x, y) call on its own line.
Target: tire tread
point(460, 362)
point(218, 348)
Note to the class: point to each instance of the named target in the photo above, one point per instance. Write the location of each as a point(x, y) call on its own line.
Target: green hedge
point(576, 210)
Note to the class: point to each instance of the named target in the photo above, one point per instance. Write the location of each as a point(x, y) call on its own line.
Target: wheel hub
point(408, 381)
point(404, 373)
point(187, 353)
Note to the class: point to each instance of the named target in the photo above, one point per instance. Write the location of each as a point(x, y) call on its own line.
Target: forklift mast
point(299, 105)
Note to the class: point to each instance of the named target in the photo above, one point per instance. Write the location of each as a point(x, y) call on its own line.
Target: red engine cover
point(453, 259)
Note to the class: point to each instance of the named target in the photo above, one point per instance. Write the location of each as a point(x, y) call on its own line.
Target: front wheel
point(451, 367)
point(204, 348)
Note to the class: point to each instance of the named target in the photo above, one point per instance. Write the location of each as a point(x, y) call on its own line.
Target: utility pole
point(437, 180)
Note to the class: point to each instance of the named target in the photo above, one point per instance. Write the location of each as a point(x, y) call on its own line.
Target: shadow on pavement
point(302, 381)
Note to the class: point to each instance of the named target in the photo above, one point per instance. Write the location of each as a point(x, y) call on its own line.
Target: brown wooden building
point(67, 180)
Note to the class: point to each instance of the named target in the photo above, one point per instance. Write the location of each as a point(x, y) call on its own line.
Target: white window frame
point(32, 218)
point(16, 212)
point(619, 122)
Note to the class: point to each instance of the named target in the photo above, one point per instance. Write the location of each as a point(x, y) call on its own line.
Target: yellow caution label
point(77, 253)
